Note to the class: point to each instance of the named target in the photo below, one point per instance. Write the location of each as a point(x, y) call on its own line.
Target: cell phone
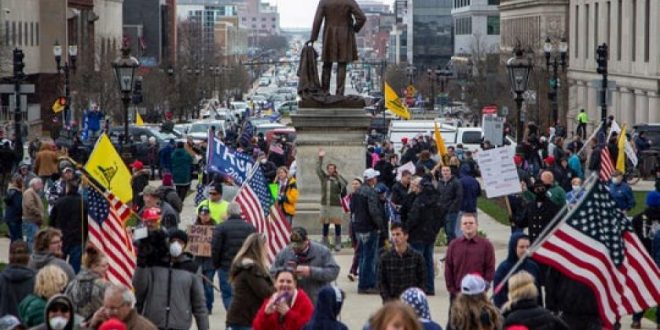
point(283, 297)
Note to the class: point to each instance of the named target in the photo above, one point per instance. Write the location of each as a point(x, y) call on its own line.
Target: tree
point(275, 42)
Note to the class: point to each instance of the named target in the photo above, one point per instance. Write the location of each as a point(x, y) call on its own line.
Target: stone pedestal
point(341, 133)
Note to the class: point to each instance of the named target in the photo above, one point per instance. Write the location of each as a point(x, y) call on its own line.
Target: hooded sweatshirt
point(16, 282)
point(39, 260)
point(74, 320)
point(503, 268)
point(471, 190)
point(415, 298)
point(328, 306)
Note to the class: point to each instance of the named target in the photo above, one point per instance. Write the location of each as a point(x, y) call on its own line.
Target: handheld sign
point(199, 240)
point(499, 171)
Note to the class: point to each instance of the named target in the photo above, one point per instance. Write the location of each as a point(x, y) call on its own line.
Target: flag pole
point(549, 229)
point(584, 146)
point(253, 170)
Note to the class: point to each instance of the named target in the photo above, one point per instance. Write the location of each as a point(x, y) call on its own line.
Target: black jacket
point(16, 282)
point(426, 217)
point(70, 216)
point(13, 205)
point(569, 296)
point(386, 170)
point(451, 193)
point(528, 313)
point(399, 192)
point(228, 237)
point(537, 217)
point(368, 211)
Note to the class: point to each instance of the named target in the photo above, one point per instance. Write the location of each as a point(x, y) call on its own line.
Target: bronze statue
point(342, 20)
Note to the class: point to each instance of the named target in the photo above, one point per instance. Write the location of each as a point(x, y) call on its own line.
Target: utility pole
point(601, 60)
point(19, 75)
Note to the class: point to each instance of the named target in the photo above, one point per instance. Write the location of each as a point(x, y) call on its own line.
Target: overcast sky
point(299, 13)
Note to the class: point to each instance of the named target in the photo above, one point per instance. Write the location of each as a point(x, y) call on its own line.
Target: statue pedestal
point(341, 133)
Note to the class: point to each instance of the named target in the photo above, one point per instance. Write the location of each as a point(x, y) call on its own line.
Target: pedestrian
point(16, 280)
point(415, 298)
point(424, 221)
point(539, 212)
point(11, 322)
point(287, 193)
point(169, 218)
point(165, 157)
point(168, 193)
point(368, 221)
point(228, 237)
point(13, 201)
point(50, 281)
point(25, 172)
point(47, 251)
point(353, 271)
point(327, 309)
point(333, 186)
point(471, 308)
point(119, 304)
point(69, 215)
point(181, 170)
point(139, 180)
point(87, 288)
point(288, 308)
point(574, 196)
point(57, 189)
point(518, 246)
point(386, 167)
point(250, 280)
point(32, 210)
point(152, 158)
point(471, 192)
point(574, 301)
point(394, 315)
point(60, 314)
point(400, 268)
point(302, 256)
point(621, 192)
point(215, 203)
point(451, 194)
point(206, 262)
point(45, 163)
point(575, 163)
point(523, 306)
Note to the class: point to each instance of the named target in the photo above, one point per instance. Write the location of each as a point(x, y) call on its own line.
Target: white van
point(469, 137)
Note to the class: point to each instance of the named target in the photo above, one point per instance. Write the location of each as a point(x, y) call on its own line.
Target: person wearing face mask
point(574, 196)
point(621, 192)
point(169, 293)
point(59, 315)
point(268, 167)
point(539, 212)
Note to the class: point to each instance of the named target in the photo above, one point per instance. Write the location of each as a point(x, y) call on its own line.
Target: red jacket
point(300, 313)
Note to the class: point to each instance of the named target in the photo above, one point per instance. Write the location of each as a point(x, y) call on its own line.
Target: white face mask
point(263, 161)
point(176, 249)
point(58, 322)
point(576, 188)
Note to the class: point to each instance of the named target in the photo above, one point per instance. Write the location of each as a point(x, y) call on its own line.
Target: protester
point(50, 281)
point(353, 272)
point(523, 306)
point(45, 163)
point(206, 263)
point(554, 192)
point(215, 203)
point(48, 251)
point(287, 193)
point(228, 237)
point(327, 309)
point(119, 303)
point(87, 288)
point(574, 196)
point(621, 192)
point(386, 167)
point(60, 314)
point(311, 262)
point(11, 322)
point(575, 163)
point(415, 298)
point(471, 308)
point(538, 212)
point(56, 190)
point(16, 280)
point(181, 170)
point(25, 172)
point(139, 180)
point(288, 308)
point(32, 210)
point(471, 191)
point(400, 188)
point(394, 315)
point(400, 268)
point(333, 185)
point(518, 246)
point(168, 193)
point(165, 157)
point(169, 218)
point(13, 202)
point(451, 194)
point(69, 215)
point(574, 301)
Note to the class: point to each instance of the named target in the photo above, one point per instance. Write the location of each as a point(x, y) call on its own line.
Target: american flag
point(106, 218)
point(606, 166)
point(259, 210)
point(597, 247)
point(199, 194)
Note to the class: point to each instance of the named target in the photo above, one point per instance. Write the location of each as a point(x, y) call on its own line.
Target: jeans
point(73, 253)
point(450, 226)
point(29, 230)
point(426, 250)
point(15, 230)
point(208, 288)
point(368, 244)
point(225, 287)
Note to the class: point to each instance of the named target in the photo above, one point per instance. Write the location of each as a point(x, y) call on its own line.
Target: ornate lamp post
point(124, 67)
point(68, 65)
point(553, 60)
point(519, 68)
point(410, 72)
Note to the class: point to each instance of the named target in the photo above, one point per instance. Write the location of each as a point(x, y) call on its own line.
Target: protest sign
point(199, 240)
point(407, 166)
point(499, 172)
point(227, 161)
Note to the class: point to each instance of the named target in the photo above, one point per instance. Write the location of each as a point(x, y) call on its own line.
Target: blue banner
point(227, 161)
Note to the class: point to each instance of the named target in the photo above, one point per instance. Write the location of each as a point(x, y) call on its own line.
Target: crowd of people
point(395, 219)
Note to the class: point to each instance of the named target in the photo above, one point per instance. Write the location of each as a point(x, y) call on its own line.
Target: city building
point(430, 38)
point(201, 23)
point(231, 40)
point(150, 30)
point(372, 40)
point(476, 27)
point(374, 7)
point(397, 50)
point(628, 27)
point(260, 20)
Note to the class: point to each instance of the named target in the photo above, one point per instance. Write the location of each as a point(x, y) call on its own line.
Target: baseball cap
point(298, 237)
point(473, 284)
point(9, 322)
point(215, 188)
point(137, 165)
point(152, 213)
point(113, 324)
point(150, 190)
point(370, 173)
point(204, 209)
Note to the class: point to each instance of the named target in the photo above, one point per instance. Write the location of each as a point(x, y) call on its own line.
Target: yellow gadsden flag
point(393, 103)
point(138, 119)
point(106, 166)
point(439, 141)
point(621, 157)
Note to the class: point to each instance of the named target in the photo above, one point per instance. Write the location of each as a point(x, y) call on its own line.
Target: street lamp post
point(519, 68)
point(601, 60)
point(124, 67)
point(552, 61)
point(431, 75)
point(410, 72)
point(68, 65)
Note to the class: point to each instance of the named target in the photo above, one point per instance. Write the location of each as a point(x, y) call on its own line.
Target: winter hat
point(9, 322)
point(113, 324)
point(404, 140)
point(518, 160)
point(381, 188)
point(178, 234)
point(137, 165)
point(167, 179)
point(473, 284)
point(415, 298)
point(550, 160)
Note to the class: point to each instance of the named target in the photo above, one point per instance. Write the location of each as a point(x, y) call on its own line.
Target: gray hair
point(127, 296)
point(234, 209)
point(34, 181)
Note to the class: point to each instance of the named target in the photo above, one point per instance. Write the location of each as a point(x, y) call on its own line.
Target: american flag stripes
point(259, 210)
point(107, 233)
point(606, 166)
point(596, 246)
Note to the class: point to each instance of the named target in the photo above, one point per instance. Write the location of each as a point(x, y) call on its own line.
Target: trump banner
point(227, 161)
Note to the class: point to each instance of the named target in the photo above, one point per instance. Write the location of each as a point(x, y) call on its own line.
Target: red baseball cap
point(137, 165)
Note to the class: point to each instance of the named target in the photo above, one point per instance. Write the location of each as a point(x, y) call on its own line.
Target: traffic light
point(553, 83)
point(601, 59)
point(19, 65)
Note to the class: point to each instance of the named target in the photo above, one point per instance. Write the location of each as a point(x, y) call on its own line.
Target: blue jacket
point(505, 266)
point(622, 195)
point(471, 190)
point(13, 204)
point(576, 166)
point(165, 156)
point(181, 167)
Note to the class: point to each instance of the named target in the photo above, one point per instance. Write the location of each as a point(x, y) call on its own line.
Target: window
point(493, 25)
point(464, 26)
point(13, 33)
point(647, 24)
point(244, 19)
point(274, 26)
point(633, 35)
point(20, 34)
point(471, 137)
point(254, 26)
point(577, 29)
point(596, 16)
point(263, 19)
point(6, 33)
point(619, 23)
point(36, 35)
point(586, 26)
point(273, 19)
point(254, 19)
point(31, 33)
point(494, 3)
point(608, 22)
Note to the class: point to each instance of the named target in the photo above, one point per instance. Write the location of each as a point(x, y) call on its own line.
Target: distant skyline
point(300, 13)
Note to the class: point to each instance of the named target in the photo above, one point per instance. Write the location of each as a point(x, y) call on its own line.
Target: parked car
point(199, 130)
point(288, 132)
point(288, 107)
